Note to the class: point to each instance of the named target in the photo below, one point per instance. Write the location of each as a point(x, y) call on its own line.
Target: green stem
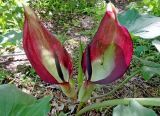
point(80, 106)
point(125, 101)
point(80, 72)
point(119, 86)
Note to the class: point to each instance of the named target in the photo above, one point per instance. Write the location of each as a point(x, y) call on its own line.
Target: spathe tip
point(29, 13)
point(112, 8)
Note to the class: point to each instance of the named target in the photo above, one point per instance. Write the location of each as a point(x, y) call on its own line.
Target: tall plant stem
point(125, 101)
point(118, 86)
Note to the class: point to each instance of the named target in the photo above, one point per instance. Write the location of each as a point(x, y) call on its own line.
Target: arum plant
point(104, 60)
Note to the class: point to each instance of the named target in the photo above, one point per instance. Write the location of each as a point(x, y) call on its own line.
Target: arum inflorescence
point(108, 55)
point(46, 54)
point(104, 60)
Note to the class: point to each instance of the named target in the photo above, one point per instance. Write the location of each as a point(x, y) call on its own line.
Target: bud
point(46, 54)
point(109, 54)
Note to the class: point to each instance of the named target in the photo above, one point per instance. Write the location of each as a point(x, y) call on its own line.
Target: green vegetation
point(148, 6)
point(64, 14)
point(11, 16)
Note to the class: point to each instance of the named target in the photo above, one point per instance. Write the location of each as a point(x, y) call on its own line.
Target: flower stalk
point(86, 91)
point(69, 89)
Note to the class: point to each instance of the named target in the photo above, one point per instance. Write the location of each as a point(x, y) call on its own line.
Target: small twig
point(11, 82)
point(5, 62)
point(7, 55)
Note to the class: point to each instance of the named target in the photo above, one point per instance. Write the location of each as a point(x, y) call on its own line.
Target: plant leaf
point(125, 101)
point(145, 26)
point(40, 108)
point(156, 43)
point(149, 68)
point(149, 72)
point(133, 109)
point(147, 63)
point(14, 102)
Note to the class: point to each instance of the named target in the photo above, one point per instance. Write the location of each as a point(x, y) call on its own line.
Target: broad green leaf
point(145, 26)
point(149, 68)
point(140, 49)
point(14, 102)
point(133, 109)
point(149, 72)
point(40, 108)
point(147, 63)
